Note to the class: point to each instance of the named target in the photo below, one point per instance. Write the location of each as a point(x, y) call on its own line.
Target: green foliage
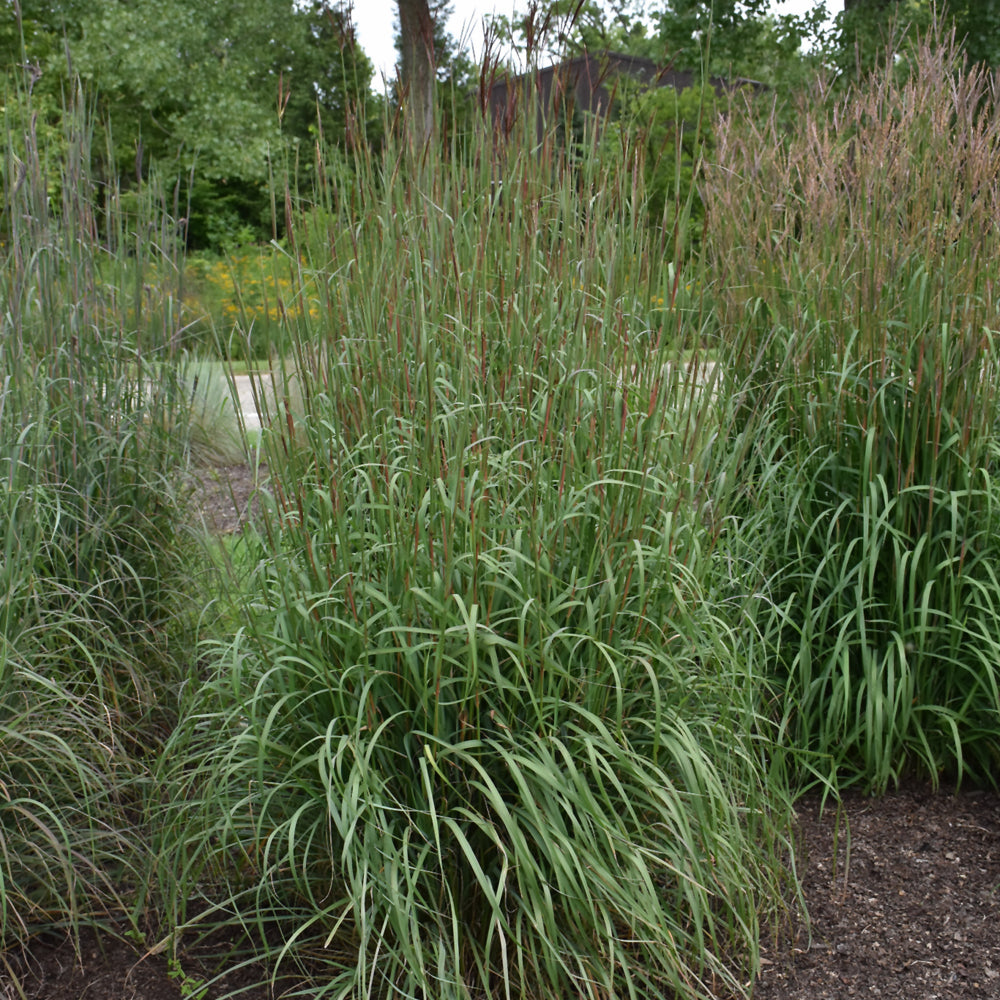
point(787, 52)
point(92, 552)
point(208, 96)
point(580, 545)
point(738, 38)
point(977, 25)
point(667, 134)
point(863, 322)
point(325, 87)
point(482, 732)
point(569, 27)
point(867, 28)
point(249, 300)
point(872, 30)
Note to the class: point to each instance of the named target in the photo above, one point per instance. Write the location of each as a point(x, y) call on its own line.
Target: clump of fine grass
point(90, 441)
point(483, 733)
point(851, 262)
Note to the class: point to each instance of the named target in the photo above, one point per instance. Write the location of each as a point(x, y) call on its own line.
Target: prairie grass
point(483, 732)
point(92, 556)
point(851, 263)
point(581, 554)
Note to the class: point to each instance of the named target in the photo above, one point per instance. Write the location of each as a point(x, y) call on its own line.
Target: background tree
point(740, 38)
point(868, 25)
point(326, 84)
point(566, 28)
point(977, 26)
point(575, 26)
point(455, 78)
point(209, 93)
point(743, 38)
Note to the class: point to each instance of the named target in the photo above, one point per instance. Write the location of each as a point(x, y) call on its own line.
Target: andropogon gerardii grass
point(577, 550)
point(91, 437)
point(482, 733)
point(851, 268)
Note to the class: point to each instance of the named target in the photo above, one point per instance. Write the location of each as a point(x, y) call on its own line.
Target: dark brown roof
point(587, 83)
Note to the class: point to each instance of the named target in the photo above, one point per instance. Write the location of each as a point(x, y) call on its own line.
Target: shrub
point(668, 133)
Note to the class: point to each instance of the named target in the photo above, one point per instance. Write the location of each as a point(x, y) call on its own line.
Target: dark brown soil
point(108, 968)
point(908, 907)
point(226, 496)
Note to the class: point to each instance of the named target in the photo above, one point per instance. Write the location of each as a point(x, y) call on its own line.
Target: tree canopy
point(209, 92)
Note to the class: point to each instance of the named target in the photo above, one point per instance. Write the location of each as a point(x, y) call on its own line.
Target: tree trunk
point(416, 76)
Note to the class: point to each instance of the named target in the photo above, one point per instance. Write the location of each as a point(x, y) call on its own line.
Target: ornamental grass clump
point(91, 437)
point(852, 261)
point(483, 732)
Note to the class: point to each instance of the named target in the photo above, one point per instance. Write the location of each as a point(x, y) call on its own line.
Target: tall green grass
point(91, 571)
point(484, 732)
point(852, 264)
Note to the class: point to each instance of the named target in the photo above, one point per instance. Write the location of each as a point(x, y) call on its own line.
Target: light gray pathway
point(242, 390)
point(245, 395)
point(214, 396)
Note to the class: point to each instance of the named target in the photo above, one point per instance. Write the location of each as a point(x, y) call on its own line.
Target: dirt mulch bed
point(909, 908)
point(225, 497)
point(108, 968)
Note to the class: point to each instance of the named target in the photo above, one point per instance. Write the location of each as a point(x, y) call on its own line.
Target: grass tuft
point(483, 733)
point(861, 321)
